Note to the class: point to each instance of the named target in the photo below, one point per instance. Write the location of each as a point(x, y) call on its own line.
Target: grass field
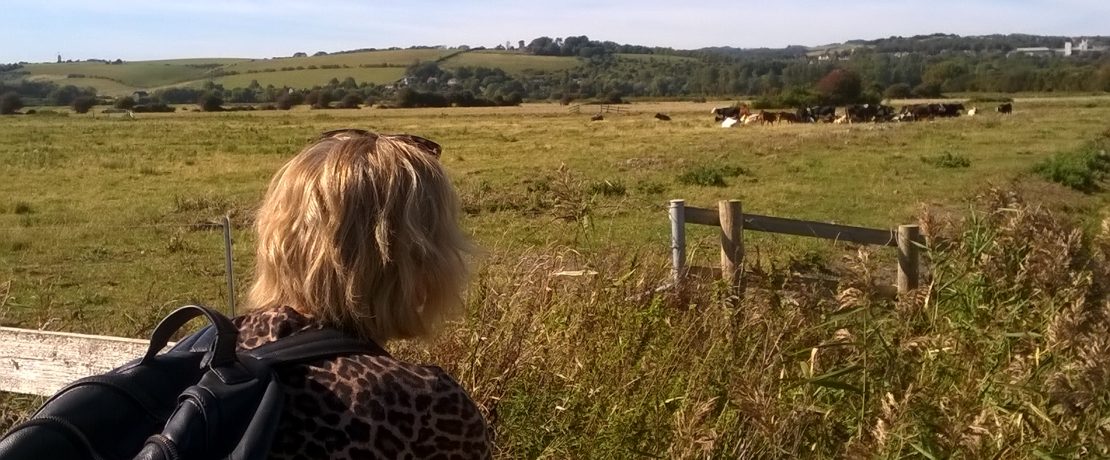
point(125, 78)
point(511, 62)
point(102, 230)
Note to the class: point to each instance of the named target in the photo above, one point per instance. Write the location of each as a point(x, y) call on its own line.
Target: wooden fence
point(602, 108)
point(729, 216)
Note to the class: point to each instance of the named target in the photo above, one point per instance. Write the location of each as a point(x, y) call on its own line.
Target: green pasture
point(106, 224)
point(383, 67)
point(141, 74)
point(400, 58)
point(511, 62)
point(98, 213)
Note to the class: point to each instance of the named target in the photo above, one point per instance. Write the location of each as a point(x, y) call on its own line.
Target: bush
point(711, 176)
point(156, 107)
point(125, 103)
point(898, 91)
point(840, 86)
point(948, 160)
point(350, 101)
point(1082, 170)
point(83, 104)
point(211, 102)
point(10, 103)
point(928, 90)
point(607, 188)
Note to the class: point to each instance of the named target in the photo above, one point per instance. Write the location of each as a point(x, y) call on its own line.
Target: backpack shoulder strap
point(312, 345)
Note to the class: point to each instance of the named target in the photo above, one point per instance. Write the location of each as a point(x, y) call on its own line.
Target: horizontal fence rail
point(730, 218)
point(42, 362)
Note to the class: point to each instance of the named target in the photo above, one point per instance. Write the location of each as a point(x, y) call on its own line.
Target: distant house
point(140, 94)
point(1034, 51)
point(453, 82)
point(1070, 49)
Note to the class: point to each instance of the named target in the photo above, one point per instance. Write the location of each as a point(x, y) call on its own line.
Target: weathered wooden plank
point(42, 362)
point(702, 216)
point(756, 222)
point(837, 232)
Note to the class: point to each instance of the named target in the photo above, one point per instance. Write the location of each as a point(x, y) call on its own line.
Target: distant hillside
point(576, 68)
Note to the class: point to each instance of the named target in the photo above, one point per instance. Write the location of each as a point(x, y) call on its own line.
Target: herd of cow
point(861, 113)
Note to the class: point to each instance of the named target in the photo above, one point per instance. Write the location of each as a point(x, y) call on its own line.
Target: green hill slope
point(379, 67)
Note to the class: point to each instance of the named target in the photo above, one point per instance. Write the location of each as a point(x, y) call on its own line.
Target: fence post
point(229, 266)
point(732, 241)
point(677, 212)
point(908, 254)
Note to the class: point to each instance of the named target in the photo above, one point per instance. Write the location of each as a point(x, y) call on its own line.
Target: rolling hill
point(378, 67)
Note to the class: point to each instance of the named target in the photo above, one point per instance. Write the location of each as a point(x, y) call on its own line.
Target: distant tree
point(300, 54)
point(927, 90)
point(210, 102)
point(10, 103)
point(349, 83)
point(125, 103)
point(323, 100)
point(64, 95)
point(312, 97)
point(82, 104)
point(320, 53)
point(350, 101)
point(898, 91)
point(285, 101)
point(841, 86)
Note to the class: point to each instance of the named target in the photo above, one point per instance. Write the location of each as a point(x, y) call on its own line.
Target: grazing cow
point(767, 117)
point(787, 117)
point(751, 118)
point(842, 119)
point(1006, 108)
point(662, 116)
point(597, 117)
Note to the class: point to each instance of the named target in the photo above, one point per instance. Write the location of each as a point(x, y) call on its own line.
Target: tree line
point(866, 71)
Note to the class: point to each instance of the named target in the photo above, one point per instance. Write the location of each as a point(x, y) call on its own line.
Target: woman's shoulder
point(414, 408)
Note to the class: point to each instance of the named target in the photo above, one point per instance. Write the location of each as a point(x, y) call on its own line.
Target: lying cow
point(720, 113)
point(662, 116)
point(825, 113)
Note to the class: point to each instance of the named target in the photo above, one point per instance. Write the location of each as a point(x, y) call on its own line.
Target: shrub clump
point(948, 160)
point(711, 175)
point(1084, 169)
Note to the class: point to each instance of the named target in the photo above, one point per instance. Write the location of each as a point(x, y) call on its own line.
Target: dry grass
point(1004, 353)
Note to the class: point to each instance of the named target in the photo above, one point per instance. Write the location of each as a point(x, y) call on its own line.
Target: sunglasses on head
point(430, 146)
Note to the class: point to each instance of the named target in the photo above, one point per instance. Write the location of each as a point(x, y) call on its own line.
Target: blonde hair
point(362, 233)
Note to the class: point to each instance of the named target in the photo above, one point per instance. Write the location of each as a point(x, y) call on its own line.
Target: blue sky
point(38, 30)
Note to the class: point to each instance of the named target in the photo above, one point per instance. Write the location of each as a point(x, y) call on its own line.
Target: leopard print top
point(362, 407)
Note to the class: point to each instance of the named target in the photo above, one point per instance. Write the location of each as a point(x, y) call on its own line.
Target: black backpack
point(200, 400)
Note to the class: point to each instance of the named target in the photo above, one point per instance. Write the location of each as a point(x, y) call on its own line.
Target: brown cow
point(767, 117)
point(787, 117)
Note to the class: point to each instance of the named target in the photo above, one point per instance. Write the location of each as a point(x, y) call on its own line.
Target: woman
point(359, 232)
